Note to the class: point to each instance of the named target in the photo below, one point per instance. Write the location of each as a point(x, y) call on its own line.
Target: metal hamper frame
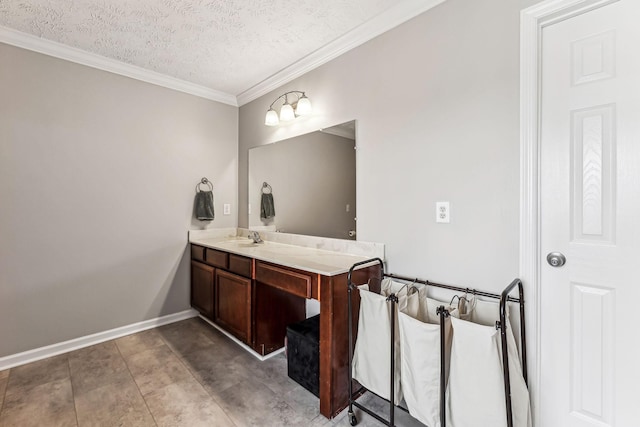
point(442, 313)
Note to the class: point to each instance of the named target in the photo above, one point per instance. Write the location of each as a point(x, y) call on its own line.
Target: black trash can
point(303, 354)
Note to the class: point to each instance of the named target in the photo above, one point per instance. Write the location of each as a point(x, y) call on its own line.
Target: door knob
point(556, 259)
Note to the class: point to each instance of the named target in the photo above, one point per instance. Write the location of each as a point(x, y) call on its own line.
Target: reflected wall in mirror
point(312, 179)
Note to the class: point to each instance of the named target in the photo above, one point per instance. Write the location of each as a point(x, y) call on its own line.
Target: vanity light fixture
point(289, 111)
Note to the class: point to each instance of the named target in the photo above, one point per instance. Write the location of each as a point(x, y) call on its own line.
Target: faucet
point(255, 236)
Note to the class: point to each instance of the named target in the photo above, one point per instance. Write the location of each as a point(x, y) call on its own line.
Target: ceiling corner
point(385, 21)
point(57, 50)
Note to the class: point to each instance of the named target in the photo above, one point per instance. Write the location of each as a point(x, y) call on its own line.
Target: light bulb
point(271, 119)
point(286, 113)
point(304, 106)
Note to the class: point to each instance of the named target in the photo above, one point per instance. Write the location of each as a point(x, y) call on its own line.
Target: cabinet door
point(202, 279)
point(233, 304)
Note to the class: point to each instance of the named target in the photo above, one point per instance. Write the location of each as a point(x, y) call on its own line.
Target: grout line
point(22, 392)
point(135, 382)
point(241, 349)
point(197, 380)
point(73, 392)
point(242, 345)
point(4, 394)
point(236, 351)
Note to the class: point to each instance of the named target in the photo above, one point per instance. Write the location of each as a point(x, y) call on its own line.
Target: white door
point(590, 212)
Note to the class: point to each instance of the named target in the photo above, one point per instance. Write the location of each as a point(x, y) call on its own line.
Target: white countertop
point(321, 261)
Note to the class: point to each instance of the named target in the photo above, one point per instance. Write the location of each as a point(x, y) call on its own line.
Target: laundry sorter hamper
point(504, 340)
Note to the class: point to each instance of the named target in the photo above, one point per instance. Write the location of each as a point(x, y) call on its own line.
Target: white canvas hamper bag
point(372, 352)
point(420, 358)
point(475, 391)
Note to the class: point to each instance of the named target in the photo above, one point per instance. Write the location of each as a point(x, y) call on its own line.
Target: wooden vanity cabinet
point(255, 301)
point(233, 304)
point(222, 290)
point(202, 288)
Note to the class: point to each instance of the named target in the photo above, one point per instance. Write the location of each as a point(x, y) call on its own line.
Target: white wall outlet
point(443, 212)
point(249, 209)
point(348, 207)
point(227, 209)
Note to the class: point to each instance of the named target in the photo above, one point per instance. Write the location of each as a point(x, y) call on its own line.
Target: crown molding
point(68, 53)
point(385, 21)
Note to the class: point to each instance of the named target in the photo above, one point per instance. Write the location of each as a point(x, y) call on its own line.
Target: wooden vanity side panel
point(334, 335)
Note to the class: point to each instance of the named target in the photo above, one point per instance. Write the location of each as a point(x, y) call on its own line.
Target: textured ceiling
point(225, 45)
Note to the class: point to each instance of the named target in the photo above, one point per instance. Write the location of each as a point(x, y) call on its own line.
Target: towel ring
point(265, 187)
point(206, 182)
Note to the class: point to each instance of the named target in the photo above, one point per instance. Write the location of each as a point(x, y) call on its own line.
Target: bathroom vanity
point(254, 290)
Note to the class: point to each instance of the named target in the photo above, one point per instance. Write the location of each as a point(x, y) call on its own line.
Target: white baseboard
point(243, 345)
point(89, 340)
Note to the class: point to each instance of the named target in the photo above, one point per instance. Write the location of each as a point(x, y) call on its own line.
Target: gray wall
point(313, 178)
point(97, 178)
point(437, 101)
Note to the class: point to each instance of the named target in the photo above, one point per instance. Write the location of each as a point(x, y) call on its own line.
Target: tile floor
point(183, 374)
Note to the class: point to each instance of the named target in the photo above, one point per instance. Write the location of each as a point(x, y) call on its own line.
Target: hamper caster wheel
point(352, 419)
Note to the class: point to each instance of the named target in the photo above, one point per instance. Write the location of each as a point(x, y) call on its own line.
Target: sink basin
point(242, 243)
point(247, 244)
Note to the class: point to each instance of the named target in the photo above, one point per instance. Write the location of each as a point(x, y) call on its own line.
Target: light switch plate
point(227, 209)
point(443, 212)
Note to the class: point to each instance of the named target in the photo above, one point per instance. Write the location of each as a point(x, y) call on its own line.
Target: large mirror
point(307, 182)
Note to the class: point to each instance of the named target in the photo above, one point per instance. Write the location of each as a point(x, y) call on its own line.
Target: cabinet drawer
point(294, 282)
point(197, 253)
point(216, 258)
point(240, 265)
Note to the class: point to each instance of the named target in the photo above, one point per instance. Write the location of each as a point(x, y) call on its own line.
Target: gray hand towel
point(267, 209)
point(204, 205)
